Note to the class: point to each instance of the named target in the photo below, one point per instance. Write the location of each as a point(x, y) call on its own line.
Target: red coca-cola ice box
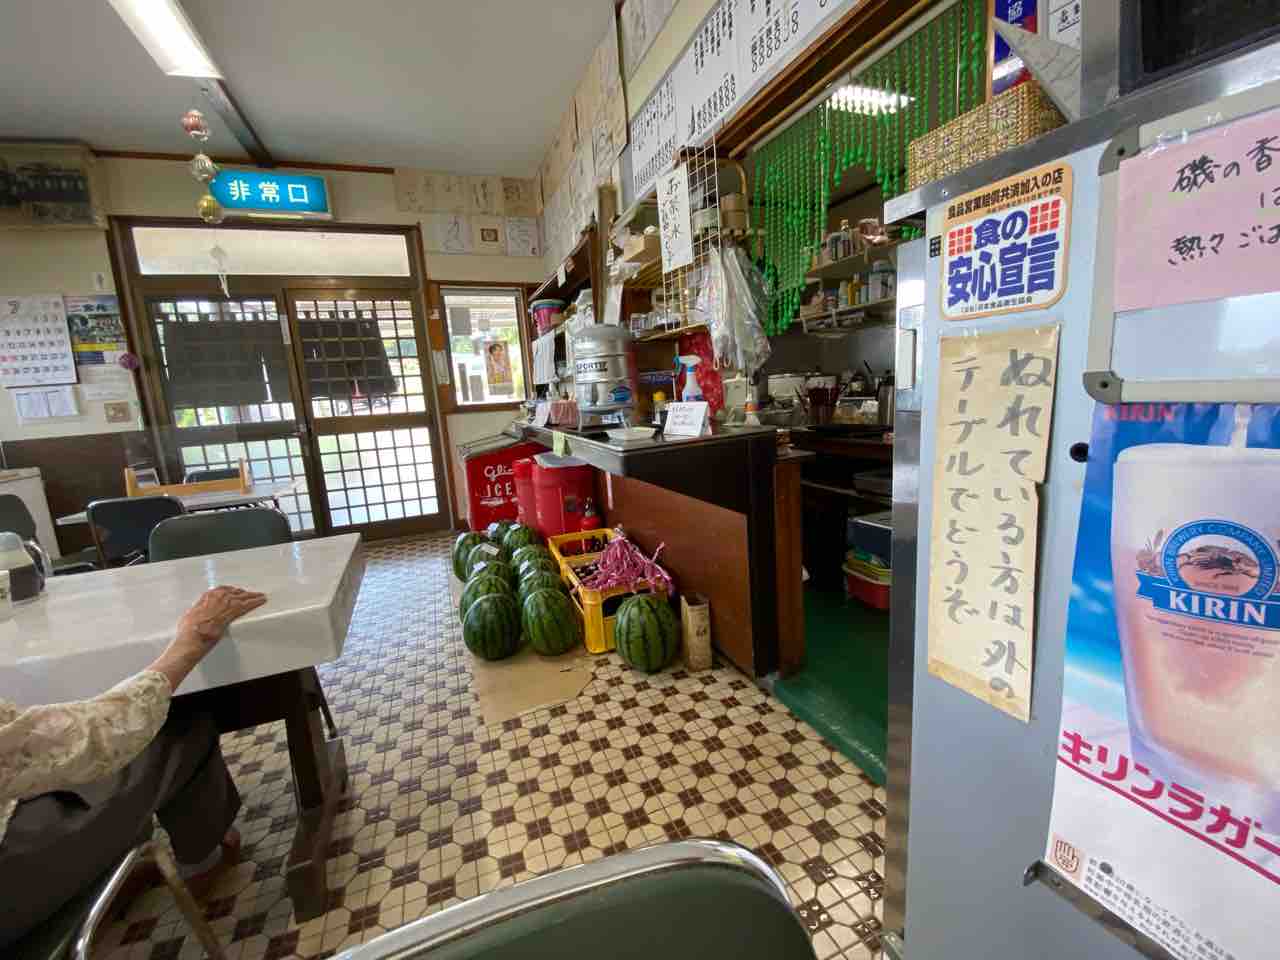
point(490, 481)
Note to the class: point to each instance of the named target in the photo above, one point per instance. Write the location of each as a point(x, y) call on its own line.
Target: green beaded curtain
point(927, 80)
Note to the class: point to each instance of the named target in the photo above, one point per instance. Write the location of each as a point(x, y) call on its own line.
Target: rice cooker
point(603, 369)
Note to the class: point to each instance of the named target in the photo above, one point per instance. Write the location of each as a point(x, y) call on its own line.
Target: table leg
point(320, 780)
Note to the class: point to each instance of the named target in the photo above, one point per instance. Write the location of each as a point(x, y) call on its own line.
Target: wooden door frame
point(133, 290)
point(438, 330)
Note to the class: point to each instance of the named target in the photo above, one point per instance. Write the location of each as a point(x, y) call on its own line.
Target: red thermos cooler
point(491, 488)
point(527, 512)
point(562, 487)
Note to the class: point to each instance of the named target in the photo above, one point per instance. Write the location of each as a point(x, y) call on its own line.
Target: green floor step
point(843, 690)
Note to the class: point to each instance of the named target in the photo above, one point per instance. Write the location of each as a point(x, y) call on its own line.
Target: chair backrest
point(15, 517)
point(220, 531)
point(691, 900)
point(221, 473)
point(122, 526)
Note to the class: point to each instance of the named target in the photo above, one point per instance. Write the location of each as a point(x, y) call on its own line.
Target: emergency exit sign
point(270, 194)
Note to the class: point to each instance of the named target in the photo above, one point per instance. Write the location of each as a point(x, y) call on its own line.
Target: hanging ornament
point(209, 209)
point(220, 260)
point(129, 361)
point(202, 168)
point(197, 127)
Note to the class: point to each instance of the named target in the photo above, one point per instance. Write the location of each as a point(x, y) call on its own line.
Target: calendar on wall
point(35, 344)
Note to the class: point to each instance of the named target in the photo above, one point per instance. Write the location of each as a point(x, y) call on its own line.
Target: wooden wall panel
point(788, 537)
point(706, 553)
point(79, 469)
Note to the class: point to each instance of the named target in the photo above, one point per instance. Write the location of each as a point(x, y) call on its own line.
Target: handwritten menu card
point(35, 343)
point(1200, 219)
point(995, 407)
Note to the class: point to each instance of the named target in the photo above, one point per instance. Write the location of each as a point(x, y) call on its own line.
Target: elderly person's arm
point(47, 748)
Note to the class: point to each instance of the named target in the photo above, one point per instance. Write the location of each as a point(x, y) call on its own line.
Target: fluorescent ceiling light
point(868, 100)
point(162, 27)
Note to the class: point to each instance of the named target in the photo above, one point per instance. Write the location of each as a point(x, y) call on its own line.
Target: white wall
point(685, 18)
point(67, 261)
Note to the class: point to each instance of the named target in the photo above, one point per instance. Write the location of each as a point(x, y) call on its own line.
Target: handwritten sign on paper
point(675, 230)
point(1005, 245)
point(995, 406)
point(686, 419)
point(1200, 219)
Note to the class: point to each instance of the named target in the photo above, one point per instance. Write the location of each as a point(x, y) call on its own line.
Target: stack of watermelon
point(646, 632)
point(512, 585)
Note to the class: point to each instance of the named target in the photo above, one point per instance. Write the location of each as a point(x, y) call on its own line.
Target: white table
point(91, 630)
point(88, 631)
point(216, 500)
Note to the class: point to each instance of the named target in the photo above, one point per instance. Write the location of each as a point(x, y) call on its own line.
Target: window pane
point(484, 344)
point(166, 251)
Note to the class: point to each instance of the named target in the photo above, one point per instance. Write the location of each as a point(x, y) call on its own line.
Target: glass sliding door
point(364, 389)
point(312, 377)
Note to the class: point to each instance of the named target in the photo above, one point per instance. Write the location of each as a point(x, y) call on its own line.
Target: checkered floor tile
point(443, 807)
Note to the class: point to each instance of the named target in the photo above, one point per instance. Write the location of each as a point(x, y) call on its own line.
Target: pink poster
point(1199, 219)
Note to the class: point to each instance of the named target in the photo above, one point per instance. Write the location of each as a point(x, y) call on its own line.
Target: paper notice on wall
point(521, 198)
point(1199, 218)
point(653, 138)
point(45, 403)
point(995, 403)
point(522, 237)
point(707, 76)
point(674, 227)
point(453, 233)
point(487, 233)
point(485, 196)
point(1064, 22)
point(97, 331)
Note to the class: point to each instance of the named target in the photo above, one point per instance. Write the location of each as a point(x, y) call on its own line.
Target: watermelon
point(498, 529)
point(533, 564)
point(519, 536)
point(481, 586)
point(485, 566)
point(645, 632)
point(551, 622)
point(519, 555)
point(538, 580)
point(462, 548)
point(491, 628)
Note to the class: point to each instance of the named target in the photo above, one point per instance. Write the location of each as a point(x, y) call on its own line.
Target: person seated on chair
point(80, 781)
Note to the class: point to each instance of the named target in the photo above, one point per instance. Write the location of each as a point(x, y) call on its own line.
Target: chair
point(221, 531)
point(15, 516)
point(122, 526)
point(224, 531)
point(690, 900)
point(218, 473)
point(69, 932)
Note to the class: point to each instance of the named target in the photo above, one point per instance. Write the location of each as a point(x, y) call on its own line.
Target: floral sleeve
point(57, 746)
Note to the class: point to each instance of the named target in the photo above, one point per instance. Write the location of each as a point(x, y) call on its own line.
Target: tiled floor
point(442, 808)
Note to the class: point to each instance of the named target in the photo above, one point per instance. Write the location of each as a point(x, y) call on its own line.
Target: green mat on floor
point(843, 690)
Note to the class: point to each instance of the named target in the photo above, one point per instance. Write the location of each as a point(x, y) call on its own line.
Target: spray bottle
point(691, 389)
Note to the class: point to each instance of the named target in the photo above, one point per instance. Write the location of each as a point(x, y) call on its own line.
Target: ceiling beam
point(225, 106)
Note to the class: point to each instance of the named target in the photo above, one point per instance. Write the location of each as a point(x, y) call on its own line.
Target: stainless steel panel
point(909, 349)
point(981, 782)
point(902, 631)
point(1230, 77)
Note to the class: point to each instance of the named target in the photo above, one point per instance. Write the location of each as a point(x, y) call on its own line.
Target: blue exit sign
point(259, 193)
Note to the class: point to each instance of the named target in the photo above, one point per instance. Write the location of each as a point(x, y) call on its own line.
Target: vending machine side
point(970, 788)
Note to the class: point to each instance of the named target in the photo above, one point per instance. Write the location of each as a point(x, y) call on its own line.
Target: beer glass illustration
point(1194, 566)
